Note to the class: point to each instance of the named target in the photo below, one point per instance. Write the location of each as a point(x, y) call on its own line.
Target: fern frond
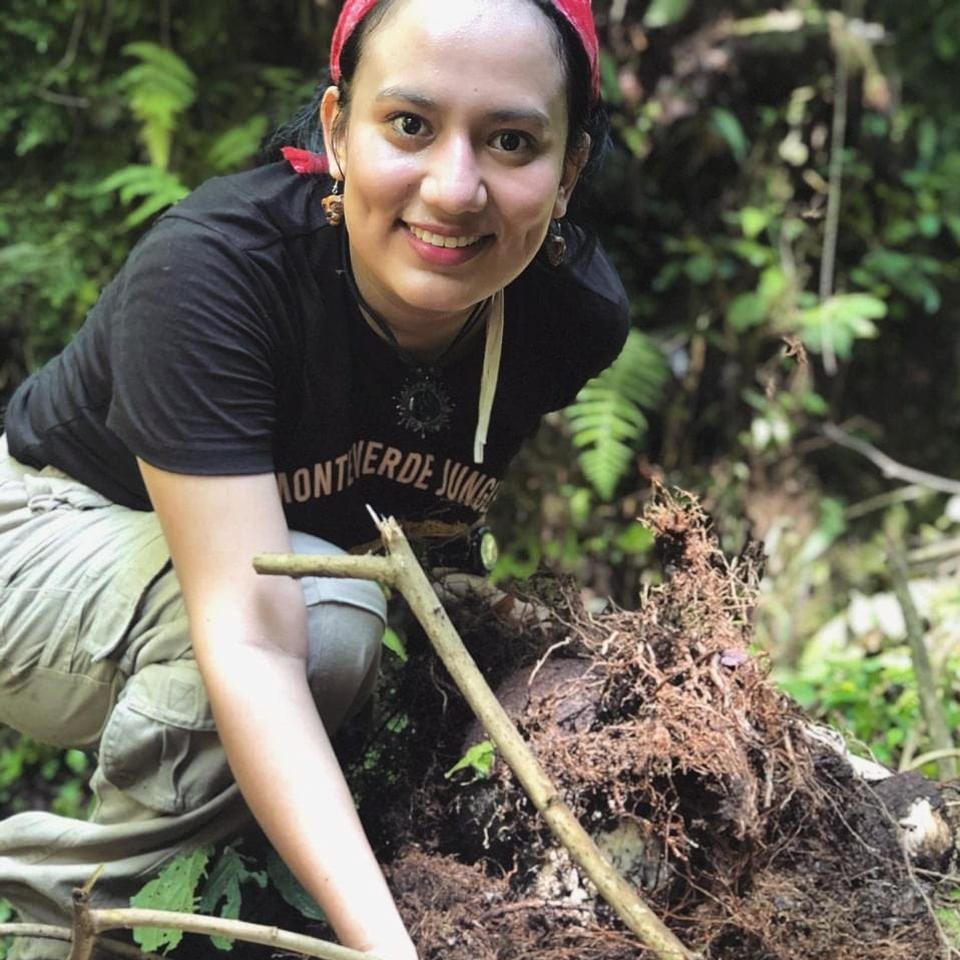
point(159, 89)
point(155, 188)
point(238, 144)
point(607, 421)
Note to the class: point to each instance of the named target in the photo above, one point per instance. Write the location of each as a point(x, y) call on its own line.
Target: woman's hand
point(391, 948)
point(453, 586)
point(249, 639)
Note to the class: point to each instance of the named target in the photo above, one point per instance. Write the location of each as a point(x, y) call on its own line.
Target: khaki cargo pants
point(95, 652)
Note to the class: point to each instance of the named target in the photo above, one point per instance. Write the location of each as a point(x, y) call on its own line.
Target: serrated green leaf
point(290, 888)
point(226, 878)
point(175, 888)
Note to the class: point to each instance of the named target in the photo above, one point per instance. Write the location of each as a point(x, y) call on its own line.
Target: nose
point(454, 183)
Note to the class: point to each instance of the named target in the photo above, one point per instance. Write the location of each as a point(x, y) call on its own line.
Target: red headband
point(577, 13)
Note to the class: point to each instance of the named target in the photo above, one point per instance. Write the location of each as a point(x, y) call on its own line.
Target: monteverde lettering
point(450, 480)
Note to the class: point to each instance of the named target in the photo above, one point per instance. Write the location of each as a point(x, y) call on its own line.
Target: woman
point(280, 349)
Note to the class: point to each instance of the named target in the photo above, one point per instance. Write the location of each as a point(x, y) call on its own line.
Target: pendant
point(423, 405)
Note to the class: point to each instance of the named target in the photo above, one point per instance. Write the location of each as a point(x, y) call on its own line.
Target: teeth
point(435, 240)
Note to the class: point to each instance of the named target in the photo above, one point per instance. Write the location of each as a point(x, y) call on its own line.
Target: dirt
point(671, 744)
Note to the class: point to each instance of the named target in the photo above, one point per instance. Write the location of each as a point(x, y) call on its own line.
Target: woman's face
point(453, 153)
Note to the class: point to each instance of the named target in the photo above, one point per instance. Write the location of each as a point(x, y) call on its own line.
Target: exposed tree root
point(752, 838)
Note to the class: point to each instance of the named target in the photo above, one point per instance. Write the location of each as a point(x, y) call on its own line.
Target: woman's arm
point(249, 639)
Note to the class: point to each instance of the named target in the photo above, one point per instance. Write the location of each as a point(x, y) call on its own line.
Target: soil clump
point(751, 838)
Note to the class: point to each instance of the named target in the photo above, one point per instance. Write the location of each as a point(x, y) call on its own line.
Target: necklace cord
point(490, 376)
point(493, 347)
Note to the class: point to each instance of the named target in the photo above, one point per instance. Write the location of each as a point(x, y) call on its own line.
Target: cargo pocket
point(160, 744)
point(73, 570)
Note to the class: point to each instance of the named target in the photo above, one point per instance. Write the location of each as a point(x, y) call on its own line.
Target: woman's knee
point(345, 624)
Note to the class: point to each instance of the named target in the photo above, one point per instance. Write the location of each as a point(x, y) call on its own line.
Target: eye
point(408, 124)
point(512, 141)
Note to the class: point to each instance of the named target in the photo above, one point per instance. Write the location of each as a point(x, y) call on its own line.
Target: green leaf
point(290, 888)
point(746, 311)
point(393, 642)
point(831, 525)
point(662, 13)
point(637, 538)
point(238, 144)
point(814, 404)
point(175, 888)
point(478, 758)
point(840, 321)
point(753, 221)
point(226, 878)
point(700, 268)
point(773, 285)
point(77, 761)
point(610, 79)
point(726, 124)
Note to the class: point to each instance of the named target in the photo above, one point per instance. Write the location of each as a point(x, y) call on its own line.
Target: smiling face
point(453, 155)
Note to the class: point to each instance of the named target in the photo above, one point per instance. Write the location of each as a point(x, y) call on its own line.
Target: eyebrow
point(534, 116)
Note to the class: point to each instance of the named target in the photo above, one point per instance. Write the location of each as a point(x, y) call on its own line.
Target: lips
point(445, 249)
point(442, 240)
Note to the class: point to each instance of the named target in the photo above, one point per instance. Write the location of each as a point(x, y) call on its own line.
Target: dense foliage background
point(783, 201)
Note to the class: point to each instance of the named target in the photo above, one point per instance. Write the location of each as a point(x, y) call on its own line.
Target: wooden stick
point(128, 918)
point(46, 931)
point(89, 923)
point(408, 577)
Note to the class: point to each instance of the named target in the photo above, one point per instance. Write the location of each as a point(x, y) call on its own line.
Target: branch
point(406, 574)
point(381, 569)
point(66, 61)
point(88, 924)
point(889, 467)
point(929, 757)
point(62, 99)
point(44, 931)
point(927, 687)
point(831, 230)
point(128, 918)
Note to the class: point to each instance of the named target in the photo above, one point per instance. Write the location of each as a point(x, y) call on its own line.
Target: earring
point(555, 244)
point(332, 205)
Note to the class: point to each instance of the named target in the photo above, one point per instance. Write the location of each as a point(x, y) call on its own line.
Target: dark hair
point(585, 117)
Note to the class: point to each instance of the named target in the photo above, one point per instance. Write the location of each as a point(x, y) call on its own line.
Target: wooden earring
point(332, 205)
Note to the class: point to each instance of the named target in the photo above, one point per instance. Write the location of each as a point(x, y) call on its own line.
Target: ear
point(572, 168)
point(332, 137)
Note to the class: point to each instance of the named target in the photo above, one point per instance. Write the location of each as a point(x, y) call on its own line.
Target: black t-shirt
point(229, 344)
